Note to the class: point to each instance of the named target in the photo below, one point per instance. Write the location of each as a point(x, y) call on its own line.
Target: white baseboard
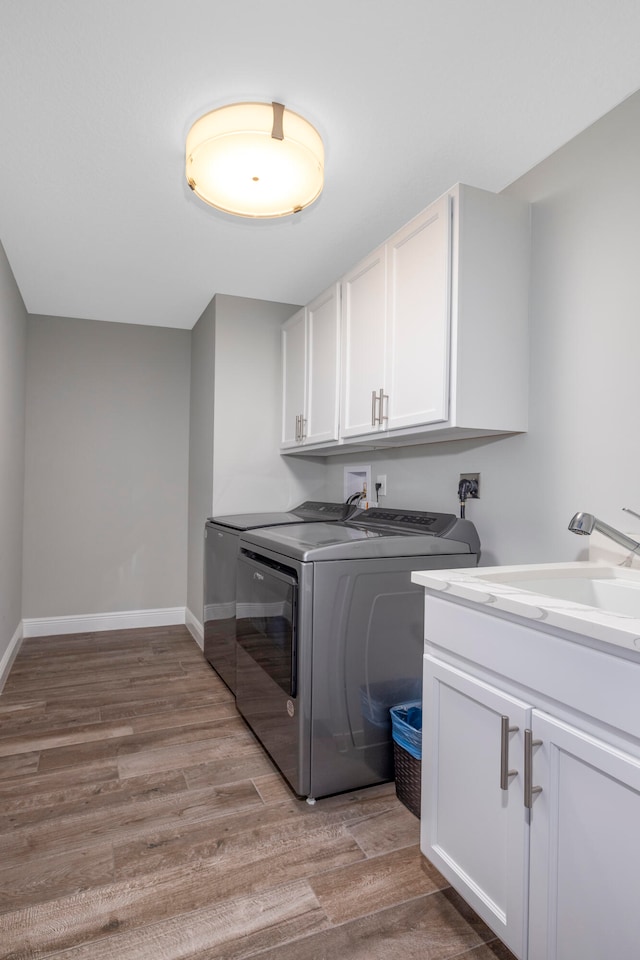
point(10, 654)
point(95, 622)
point(195, 628)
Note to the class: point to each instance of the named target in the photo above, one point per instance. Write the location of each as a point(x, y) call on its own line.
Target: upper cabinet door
point(396, 329)
point(294, 350)
point(364, 294)
point(419, 311)
point(323, 364)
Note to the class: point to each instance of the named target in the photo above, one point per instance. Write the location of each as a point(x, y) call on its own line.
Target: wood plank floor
point(141, 820)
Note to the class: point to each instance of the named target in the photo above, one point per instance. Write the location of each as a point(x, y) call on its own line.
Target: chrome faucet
point(586, 523)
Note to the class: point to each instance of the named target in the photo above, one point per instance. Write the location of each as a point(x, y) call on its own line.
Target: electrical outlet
point(474, 489)
point(382, 488)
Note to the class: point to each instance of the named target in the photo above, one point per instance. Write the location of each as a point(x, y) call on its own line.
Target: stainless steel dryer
point(330, 635)
point(221, 538)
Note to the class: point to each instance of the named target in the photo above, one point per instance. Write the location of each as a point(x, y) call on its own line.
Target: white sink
point(595, 599)
point(609, 589)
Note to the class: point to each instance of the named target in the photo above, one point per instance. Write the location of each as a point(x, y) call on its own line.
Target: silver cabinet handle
point(297, 428)
point(529, 789)
point(383, 396)
point(377, 399)
point(505, 773)
point(303, 427)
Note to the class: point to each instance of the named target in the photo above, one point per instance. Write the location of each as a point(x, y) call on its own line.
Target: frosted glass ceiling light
point(255, 160)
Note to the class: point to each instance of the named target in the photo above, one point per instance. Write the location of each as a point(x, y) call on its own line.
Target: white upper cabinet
point(396, 330)
point(310, 363)
point(364, 321)
point(323, 367)
point(294, 351)
point(434, 343)
point(435, 325)
point(417, 347)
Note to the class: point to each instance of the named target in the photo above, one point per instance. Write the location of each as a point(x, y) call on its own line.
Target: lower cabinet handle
point(374, 400)
point(505, 773)
point(529, 789)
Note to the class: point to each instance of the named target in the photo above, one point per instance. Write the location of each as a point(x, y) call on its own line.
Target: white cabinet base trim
point(95, 622)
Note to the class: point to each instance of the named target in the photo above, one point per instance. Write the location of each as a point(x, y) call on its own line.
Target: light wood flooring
point(141, 820)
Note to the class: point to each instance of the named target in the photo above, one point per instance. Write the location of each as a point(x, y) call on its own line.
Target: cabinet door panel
point(294, 348)
point(419, 319)
point(475, 832)
point(323, 328)
point(363, 342)
point(585, 847)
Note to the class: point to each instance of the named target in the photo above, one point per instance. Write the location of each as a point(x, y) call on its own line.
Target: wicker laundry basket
point(406, 727)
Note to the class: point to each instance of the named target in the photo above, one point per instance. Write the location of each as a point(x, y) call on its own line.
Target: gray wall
point(106, 467)
point(13, 351)
point(200, 450)
point(582, 450)
point(236, 384)
point(249, 473)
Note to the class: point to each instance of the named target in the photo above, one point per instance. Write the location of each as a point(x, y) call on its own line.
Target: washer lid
point(251, 521)
point(347, 541)
point(307, 512)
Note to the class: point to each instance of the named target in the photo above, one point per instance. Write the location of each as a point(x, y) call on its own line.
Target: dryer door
point(266, 618)
point(268, 674)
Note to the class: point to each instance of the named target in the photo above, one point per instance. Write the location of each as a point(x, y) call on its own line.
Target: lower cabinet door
point(474, 826)
point(585, 847)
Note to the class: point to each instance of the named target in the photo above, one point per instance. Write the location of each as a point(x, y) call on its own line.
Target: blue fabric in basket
point(377, 698)
point(406, 727)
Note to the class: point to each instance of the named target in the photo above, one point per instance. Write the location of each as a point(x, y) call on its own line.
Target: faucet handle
point(632, 512)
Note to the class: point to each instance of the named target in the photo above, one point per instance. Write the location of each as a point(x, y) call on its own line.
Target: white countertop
point(496, 588)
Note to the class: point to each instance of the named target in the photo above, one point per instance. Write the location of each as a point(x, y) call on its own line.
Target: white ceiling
point(410, 96)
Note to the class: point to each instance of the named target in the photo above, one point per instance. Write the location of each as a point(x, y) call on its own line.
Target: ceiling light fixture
point(255, 160)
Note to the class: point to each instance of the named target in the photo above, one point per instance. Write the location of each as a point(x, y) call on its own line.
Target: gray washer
point(330, 635)
point(221, 539)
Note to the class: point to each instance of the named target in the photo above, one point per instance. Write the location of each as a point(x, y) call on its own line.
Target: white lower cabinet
point(585, 847)
point(474, 825)
point(532, 813)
